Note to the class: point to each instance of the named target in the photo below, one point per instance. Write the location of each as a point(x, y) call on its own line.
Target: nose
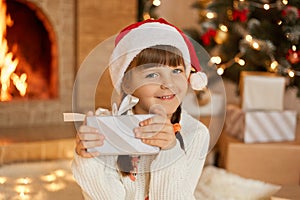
point(167, 83)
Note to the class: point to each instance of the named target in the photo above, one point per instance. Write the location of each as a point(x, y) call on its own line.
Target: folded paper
point(73, 117)
point(119, 135)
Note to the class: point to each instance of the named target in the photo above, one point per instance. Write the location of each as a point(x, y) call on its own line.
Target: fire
point(8, 63)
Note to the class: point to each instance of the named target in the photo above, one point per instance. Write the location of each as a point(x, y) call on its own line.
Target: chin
point(170, 111)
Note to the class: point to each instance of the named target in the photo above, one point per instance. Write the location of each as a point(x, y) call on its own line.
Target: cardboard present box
point(287, 192)
point(261, 126)
point(276, 163)
point(261, 91)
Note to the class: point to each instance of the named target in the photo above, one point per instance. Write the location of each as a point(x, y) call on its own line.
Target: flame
point(8, 64)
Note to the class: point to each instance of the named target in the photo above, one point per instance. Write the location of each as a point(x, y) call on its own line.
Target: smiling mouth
point(167, 97)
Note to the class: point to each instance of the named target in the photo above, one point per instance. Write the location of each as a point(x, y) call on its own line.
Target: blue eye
point(177, 71)
point(152, 75)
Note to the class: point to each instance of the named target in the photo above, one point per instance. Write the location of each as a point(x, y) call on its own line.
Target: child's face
point(158, 85)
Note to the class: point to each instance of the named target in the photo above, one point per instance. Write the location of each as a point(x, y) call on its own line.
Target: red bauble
point(293, 56)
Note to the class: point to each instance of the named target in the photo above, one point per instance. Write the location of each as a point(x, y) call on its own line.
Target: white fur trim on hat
point(198, 80)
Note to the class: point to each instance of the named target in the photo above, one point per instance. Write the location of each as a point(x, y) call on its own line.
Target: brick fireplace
point(50, 97)
point(73, 29)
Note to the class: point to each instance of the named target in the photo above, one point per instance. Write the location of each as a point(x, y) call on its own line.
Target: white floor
point(50, 180)
point(38, 181)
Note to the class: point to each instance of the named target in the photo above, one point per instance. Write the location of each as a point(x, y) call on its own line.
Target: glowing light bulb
point(210, 15)
point(156, 2)
point(223, 28)
point(274, 65)
point(291, 73)
point(216, 59)
point(241, 62)
point(294, 48)
point(255, 45)
point(248, 38)
point(285, 2)
point(266, 6)
point(279, 22)
point(220, 71)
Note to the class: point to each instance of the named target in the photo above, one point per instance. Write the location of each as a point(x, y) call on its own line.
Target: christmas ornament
point(291, 14)
point(206, 37)
point(240, 15)
point(293, 56)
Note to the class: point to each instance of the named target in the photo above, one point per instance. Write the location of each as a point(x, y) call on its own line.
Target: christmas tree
point(257, 35)
point(250, 35)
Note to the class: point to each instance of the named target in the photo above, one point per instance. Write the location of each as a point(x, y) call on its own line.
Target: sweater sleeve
point(97, 178)
point(175, 172)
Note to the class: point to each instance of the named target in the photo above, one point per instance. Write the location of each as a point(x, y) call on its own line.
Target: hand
point(88, 137)
point(157, 131)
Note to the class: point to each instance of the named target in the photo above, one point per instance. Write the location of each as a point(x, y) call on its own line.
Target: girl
point(151, 62)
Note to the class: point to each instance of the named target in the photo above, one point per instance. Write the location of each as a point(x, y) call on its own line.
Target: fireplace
point(40, 37)
point(31, 40)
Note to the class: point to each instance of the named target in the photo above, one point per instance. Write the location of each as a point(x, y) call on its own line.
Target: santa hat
point(141, 35)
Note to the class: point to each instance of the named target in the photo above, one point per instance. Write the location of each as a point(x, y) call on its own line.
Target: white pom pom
point(198, 80)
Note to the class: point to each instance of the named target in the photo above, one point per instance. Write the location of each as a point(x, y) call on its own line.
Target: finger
point(90, 136)
point(85, 154)
point(84, 141)
point(91, 144)
point(82, 146)
point(154, 131)
point(158, 143)
point(163, 136)
point(161, 140)
point(151, 128)
point(88, 114)
point(155, 127)
point(87, 129)
point(155, 119)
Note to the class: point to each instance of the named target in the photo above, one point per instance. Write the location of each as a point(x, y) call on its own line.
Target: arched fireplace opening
point(32, 42)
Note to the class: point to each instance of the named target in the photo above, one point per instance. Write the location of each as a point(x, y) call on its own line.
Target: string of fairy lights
point(247, 41)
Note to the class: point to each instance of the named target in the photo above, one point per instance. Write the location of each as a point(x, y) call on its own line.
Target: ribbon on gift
point(127, 103)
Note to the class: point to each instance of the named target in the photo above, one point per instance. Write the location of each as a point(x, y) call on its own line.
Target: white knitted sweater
point(170, 175)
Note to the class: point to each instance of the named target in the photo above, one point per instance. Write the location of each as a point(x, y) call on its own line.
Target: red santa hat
point(141, 35)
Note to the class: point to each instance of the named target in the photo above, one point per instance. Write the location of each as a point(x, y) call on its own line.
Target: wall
point(179, 12)
point(98, 21)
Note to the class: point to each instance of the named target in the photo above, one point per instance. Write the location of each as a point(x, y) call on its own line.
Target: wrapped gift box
point(119, 135)
point(261, 91)
point(270, 126)
point(261, 126)
point(277, 163)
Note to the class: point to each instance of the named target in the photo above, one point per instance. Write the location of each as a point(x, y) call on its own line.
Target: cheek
point(182, 84)
point(130, 85)
point(144, 91)
point(134, 83)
